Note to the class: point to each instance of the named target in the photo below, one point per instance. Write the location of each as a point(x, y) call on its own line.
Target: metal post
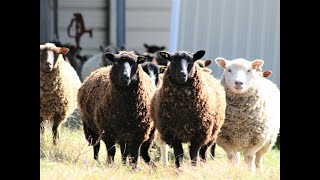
point(121, 16)
point(174, 27)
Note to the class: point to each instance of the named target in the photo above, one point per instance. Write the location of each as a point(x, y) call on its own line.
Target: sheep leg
point(194, 151)
point(92, 138)
point(96, 149)
point(233, 155)
point(41, 129)
point(178, 152)
point(145, 147)
point(124, 152)
point(249, 157)
point(213, 149)
point(164, 148)
point(41, 125)
point(202, 152)
point(111, 149)
point(259, 155)
point(56, 129)
point(134, 153)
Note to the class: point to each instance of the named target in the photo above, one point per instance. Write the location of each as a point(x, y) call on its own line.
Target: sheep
point(153, 48)
point(252, 119)
point(152, 54)
point(73, 56)
point(59, 84)
point(265, 74)
point(156, 73)
point(152, 70)
point(114, 102)
point(189, 106)
point(97, 61)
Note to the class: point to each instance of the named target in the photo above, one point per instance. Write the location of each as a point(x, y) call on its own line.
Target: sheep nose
point(182, 75)
point(238, 83)
point(125, 78)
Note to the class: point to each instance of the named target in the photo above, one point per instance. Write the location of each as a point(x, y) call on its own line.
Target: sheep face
point(49, 54)
point(152, 70)
point(181, 64)
point(124, 67)
point(161, 61)
point(239, 74)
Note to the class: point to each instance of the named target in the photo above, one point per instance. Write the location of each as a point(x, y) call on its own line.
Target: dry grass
point(73, 159)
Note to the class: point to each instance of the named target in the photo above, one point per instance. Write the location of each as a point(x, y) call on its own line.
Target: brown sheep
point(114, 102)
point(189, 106)
point(59, 84)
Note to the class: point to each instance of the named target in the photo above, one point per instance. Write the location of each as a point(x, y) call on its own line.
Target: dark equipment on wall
point(80, 28)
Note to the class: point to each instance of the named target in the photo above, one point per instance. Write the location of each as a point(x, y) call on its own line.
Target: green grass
point(72, 158)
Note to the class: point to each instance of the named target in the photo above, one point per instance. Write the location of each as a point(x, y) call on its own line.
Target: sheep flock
point(134, 99)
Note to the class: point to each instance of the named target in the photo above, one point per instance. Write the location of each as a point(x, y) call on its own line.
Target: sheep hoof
point(152, 165)
point(135, 169)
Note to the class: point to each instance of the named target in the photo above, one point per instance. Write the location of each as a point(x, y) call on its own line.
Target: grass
point(73, 159)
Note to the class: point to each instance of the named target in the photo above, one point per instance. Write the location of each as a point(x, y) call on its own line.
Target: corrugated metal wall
point(46, 21)
point(231, 29)
point(147, 21)
point(95, 14)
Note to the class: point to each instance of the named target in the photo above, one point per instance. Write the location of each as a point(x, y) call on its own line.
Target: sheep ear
point(162, 68)
point(222, 62)
point(64, 50)
point(141, 59)
point(164, 55)
point(267, 73)
point(146, 45)
point(199, 54)
point(110, 56)
point(207, 70)
point(162, 48)
point(257, 64)
point(207, 62)
point(101, 48)
point(42, 47)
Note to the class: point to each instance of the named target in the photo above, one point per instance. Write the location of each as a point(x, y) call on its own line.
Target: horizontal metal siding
point(232, 29)
point(94, 13)
point(147, 21)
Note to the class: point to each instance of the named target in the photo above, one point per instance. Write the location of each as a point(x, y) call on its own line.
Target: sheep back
point(92, 64)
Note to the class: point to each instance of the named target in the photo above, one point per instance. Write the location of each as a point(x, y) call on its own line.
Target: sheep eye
point(229, 70)
point(249, 70)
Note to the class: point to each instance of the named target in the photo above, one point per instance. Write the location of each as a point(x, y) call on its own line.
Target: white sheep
point(252, 119)
point(59, 84)
point(97, 61)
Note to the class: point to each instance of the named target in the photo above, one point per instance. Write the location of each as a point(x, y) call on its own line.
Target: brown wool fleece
point(192, 112)
point(122, 113)
point(58, 91)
